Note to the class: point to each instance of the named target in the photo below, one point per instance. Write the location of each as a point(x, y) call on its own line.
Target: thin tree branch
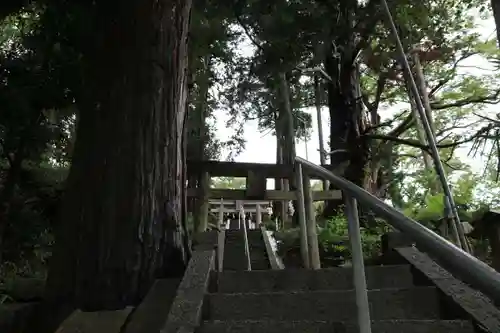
point(367, 21)
point(403, 127)
point(448, 78)
point(490, 99)
point(416, 144)
point(451, 128)
point(497, 122)
point(247, 32)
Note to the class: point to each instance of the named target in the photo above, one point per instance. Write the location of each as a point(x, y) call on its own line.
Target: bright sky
point(261, 147)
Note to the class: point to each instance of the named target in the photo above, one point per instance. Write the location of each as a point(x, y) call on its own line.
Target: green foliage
point(237, 50)
point(333, 241)
point(233, 183)
point(269, 224)
point(37, 123)
point(34, 209)
point(334, 237)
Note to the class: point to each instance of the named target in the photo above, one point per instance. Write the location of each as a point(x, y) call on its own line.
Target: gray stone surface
point(234, 225)
point(419, 326)
point(95, 322)
point(258, 250)
point(24, 289)
point(151, 314)
point(275, 261)
point(395, 239)
point(234, 251)
point(271, 326)
point(205, 240)
point(14, 316)
point(302, 279)
point(411, 303)
point(473, 302)
point(185, 312)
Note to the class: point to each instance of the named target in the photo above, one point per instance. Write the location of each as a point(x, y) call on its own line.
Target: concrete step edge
point(333, 292)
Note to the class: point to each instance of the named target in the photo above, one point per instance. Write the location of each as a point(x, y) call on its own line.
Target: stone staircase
point(234, 250)
point(306, 301)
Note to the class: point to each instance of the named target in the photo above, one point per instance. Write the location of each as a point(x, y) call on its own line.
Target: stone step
point(385, 304)
point(397, 276)
point(234, 251)
point(273, 326)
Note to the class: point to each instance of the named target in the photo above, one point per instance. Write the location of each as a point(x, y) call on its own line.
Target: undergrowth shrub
point(333, 241)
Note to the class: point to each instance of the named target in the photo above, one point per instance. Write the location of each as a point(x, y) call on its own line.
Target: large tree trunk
point(279, 210)
point(344, 102)
point(495, 4)
point(287, 135)
point(121, 222)
point(197, 127)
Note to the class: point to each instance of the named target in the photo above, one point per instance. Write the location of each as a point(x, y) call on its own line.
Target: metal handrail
point(358, 265)
point(245, 238)
point(458, 262)
point(428, 131)
point(221, 236)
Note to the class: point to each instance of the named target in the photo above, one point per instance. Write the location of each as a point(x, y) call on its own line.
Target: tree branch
point(405, 125)
point(247, 32)
point(416, 144)
point(497, 122)
point(367, 21)
point(450, 77)
point(490, 99)
point(386, 123)
point(451, 128)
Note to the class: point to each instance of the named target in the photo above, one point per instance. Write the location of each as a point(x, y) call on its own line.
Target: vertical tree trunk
point(199, 129)
point(121, 221)
point(279, 206)
point(287, 135)
point(422, 85)
point(495, 4)
point(286, 121)
point(317, 101)
point(344, 102)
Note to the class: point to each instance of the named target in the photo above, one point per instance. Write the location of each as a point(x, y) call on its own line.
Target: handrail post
point(461, 240)
point(301, 212)
point(220, 220)
point(461, 264)
point(220, 236)
point(258, 216)
point(245, 238)
point(359, 278)
point(312, 233)
point(204, 205)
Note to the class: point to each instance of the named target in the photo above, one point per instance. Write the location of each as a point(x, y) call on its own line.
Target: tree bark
point(422, 86)
point(317, 101)
point(121, 221)
point(286, 121)
point(279, 208)
point(344, 102)
point(199, 131)
point(495, 4)
point(288, 139)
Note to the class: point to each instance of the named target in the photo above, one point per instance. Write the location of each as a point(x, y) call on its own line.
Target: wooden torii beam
point(256, 175)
